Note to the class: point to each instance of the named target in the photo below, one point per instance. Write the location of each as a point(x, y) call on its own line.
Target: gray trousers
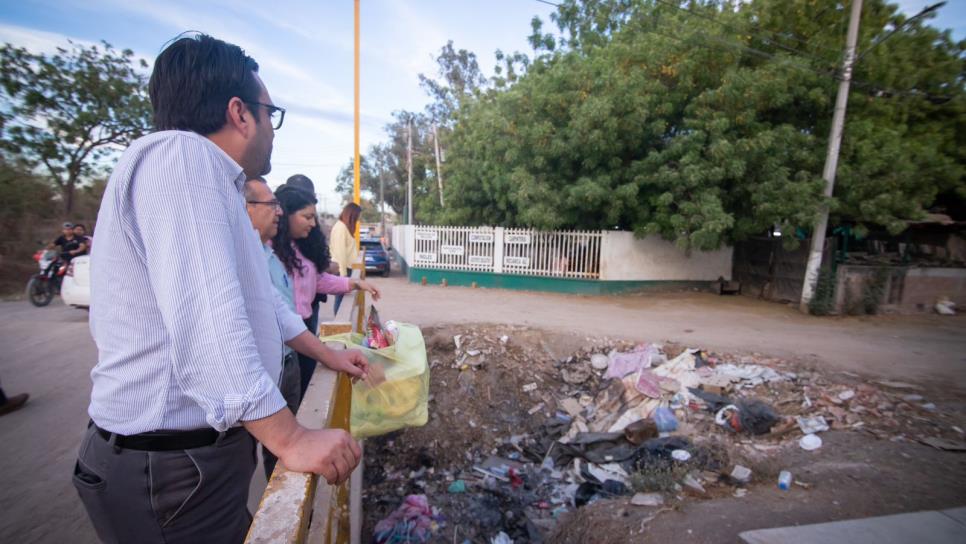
point(291, 389)
point(196, 495)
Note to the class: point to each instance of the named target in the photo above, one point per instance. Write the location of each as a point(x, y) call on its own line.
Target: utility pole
point(832, 159)
point(409, 169)
point(382, 204)
point(439, 171)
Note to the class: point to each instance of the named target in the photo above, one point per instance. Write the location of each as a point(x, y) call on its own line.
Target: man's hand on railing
point(363, 285)
point(332, 453)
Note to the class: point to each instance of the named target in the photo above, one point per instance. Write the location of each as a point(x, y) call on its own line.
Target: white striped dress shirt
point(188, 327)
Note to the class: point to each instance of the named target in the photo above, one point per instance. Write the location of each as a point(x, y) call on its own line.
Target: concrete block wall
point(626, 258)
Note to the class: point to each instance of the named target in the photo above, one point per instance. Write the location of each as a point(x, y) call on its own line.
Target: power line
point(767, 40)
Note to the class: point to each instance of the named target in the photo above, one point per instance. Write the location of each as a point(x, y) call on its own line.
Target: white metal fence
point(563, 254)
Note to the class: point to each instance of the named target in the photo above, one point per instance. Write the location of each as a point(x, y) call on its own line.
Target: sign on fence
point(481, 237)
point(516, 261)
point(451, 250)
point(426, 257)
point(427, 235)
point(480, 260)
point(518, 239)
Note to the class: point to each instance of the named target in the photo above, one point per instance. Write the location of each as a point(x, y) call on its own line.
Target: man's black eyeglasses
point(275, 113)
point(273, 203)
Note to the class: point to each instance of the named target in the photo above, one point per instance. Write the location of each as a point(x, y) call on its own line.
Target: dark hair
point(193, 80)
point(81, 225)
point(350, 216)
point(314, 246)
point(302, 182)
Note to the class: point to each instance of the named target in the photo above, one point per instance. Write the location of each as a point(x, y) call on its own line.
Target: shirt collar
point(230, 163)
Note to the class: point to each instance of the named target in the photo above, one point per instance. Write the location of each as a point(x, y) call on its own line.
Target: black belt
point(167, 440)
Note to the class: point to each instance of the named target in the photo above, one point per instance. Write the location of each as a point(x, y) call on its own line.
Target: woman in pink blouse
point(303, 250)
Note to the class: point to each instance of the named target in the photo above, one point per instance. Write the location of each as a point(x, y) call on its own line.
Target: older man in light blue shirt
point(264, 212)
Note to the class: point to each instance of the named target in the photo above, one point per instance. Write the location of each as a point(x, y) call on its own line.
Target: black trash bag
point(714, 402)
point(597, 448)
point(756, 416)
point(589, 492)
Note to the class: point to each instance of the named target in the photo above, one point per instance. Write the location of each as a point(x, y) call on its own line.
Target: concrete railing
point(299, 507)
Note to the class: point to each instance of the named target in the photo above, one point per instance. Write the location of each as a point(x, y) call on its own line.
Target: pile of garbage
point(652, 422)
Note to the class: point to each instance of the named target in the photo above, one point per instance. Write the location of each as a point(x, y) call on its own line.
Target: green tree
point(707, 122)
point(68, 112)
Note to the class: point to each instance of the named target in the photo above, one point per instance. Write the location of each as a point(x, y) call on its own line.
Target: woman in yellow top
point(342, 243)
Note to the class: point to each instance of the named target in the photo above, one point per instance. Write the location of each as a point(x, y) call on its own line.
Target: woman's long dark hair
point(314, 247)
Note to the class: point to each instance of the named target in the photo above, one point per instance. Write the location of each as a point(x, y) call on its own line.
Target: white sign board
point(426, 257)
point(516, 261)
point(451, 250)
point(427, 235)
point(483, 237)
point(517, 239)
point(480, 260)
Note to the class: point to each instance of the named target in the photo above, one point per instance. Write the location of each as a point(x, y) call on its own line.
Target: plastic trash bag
point(402, 399)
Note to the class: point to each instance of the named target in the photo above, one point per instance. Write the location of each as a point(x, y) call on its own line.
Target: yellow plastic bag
point(403, 399)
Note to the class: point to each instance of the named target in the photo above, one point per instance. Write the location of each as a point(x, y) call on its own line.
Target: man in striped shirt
point(188, 327)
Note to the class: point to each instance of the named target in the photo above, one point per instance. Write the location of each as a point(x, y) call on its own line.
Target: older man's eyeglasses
point(275, 204)
point(275, 114)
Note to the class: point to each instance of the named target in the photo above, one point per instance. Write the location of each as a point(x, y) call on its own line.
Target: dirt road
point(927, 348)
point(48, 352)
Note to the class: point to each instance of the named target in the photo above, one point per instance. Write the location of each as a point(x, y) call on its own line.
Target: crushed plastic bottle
point(784, 480)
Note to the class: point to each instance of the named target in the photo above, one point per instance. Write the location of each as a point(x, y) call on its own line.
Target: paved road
point(48, 352)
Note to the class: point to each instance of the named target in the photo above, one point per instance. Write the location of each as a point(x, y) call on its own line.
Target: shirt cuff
point(262, 400)
point(291, 324)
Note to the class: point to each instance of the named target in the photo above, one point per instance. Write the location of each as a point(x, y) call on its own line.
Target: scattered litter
point(928, 407)
point(944, 306)
point(912, 398)
point(647, 499)
point(571, 406)
point(599, 361)
point(785, 479)
point(413, 521)
point(810, 442)
point(459, 486)
point(639, 431)
point(536, 408)
point(504, 339)
point(693, 484)
point(665, 420)
point(622, 364)
point(741, 474)
point(846, 395)
point(501, 538)
point(740, 492)
point(530, 387)
point(576, 375)
point(681, 455)
point(812, 425)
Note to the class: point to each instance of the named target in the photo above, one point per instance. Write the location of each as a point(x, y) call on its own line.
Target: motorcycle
point(45, 285)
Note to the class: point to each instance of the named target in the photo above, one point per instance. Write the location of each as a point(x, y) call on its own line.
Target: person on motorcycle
point(80, 233)
point(69, 244)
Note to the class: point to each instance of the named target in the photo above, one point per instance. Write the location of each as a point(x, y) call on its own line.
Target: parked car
point(377, 259)
point(75, 289)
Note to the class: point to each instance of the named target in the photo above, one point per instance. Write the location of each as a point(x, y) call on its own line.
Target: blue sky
point(304, 49)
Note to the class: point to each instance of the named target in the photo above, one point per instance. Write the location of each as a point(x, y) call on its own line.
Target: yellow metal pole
point(355, 164)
